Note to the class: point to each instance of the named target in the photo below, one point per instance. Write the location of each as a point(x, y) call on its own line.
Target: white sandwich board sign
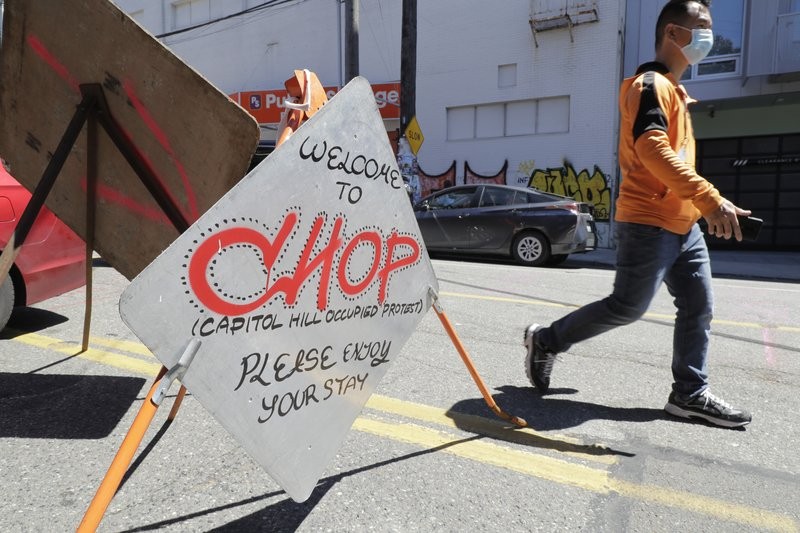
point(302, 284)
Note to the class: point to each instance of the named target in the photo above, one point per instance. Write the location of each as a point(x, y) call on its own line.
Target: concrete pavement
point(745, 264)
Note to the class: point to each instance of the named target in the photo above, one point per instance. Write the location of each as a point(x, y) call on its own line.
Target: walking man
point(661, 199)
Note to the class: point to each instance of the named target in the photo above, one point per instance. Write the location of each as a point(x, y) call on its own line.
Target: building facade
point(747, 120)
point(523, 91)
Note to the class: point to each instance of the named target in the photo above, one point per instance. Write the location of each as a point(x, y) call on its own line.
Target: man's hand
point(723, 222)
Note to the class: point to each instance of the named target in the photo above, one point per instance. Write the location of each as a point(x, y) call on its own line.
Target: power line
point(259, 7)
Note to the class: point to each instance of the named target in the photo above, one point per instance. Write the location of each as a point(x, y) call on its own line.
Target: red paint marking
point(149, 165)
point(162, 139)
point(202, 257)
point(290, 283)
point(105, 192)
point(393, 242)
point(111, 195)
point(41, 50)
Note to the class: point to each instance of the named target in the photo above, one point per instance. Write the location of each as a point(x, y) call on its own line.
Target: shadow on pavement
point(545, 412)
point(30, 320)
point(286, 515)
point(497, 429)
point(57, 406)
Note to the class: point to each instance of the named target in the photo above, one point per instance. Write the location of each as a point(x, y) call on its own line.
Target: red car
point(52, 260)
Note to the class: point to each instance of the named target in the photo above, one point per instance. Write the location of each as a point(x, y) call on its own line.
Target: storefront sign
point(267, 106)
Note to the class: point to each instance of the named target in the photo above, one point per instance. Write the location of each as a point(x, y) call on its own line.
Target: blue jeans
point(646, 257)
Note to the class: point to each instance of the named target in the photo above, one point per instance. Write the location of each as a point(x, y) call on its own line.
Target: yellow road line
point(536, 465)
point(122, 345)
point(544, 303)
point(425, 413)
point(494, 428)
point(116, 360)
point(742, 514)
point(566, 473)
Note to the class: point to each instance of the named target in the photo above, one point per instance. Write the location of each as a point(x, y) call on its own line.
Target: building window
point(489, 121)
point(461, 123)
point(725, 58)
point(787, 58)
point(507, 75)
point(521, 118)
point(553, 115)
point(187, 13)
point(508, 119)
point(788, 7)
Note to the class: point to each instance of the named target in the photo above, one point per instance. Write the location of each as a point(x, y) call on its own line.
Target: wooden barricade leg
point(473, 372)
point(91, 198)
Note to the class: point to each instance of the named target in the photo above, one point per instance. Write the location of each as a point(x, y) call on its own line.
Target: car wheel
point(557, 259)
point(6, 301)
point(531, 248)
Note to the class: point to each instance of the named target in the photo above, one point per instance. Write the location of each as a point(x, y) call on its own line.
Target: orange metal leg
point(473, 372)
point(177, 404)
point(293, 121)
point(105, 493)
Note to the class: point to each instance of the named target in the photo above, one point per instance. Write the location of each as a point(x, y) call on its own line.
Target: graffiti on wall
point(431, 183)
point(524, 172)
point(584, 186)
point(472, 177)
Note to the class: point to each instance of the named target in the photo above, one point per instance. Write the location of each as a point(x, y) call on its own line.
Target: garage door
point(761, 174)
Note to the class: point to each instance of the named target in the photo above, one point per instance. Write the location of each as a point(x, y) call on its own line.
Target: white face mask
point(698, 49)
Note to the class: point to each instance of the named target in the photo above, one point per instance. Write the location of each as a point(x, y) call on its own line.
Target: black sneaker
point(538, 362)
point(709, 408)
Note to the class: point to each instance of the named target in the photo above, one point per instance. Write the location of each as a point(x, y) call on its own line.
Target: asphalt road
point(426, 454)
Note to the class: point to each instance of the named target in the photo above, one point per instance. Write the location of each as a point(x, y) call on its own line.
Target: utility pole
point(406, 158)
point(351, 39)
point(408, 65)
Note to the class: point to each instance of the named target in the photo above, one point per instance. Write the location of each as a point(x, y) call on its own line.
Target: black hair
point(675, 12)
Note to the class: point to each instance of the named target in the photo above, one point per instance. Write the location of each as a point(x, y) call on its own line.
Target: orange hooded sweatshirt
point(659, 186)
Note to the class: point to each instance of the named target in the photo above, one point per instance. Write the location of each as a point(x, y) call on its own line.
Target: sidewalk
point(749, 264)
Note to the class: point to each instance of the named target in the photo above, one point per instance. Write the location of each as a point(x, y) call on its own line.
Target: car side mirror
point(422, 206)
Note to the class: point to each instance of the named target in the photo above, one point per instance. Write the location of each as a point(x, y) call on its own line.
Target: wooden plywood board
point(196, 139)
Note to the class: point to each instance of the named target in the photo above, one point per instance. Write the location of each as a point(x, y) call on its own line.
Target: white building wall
point(462, 45)
point(260, 50)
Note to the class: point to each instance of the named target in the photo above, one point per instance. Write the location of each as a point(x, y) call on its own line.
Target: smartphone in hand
point(750, 227)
